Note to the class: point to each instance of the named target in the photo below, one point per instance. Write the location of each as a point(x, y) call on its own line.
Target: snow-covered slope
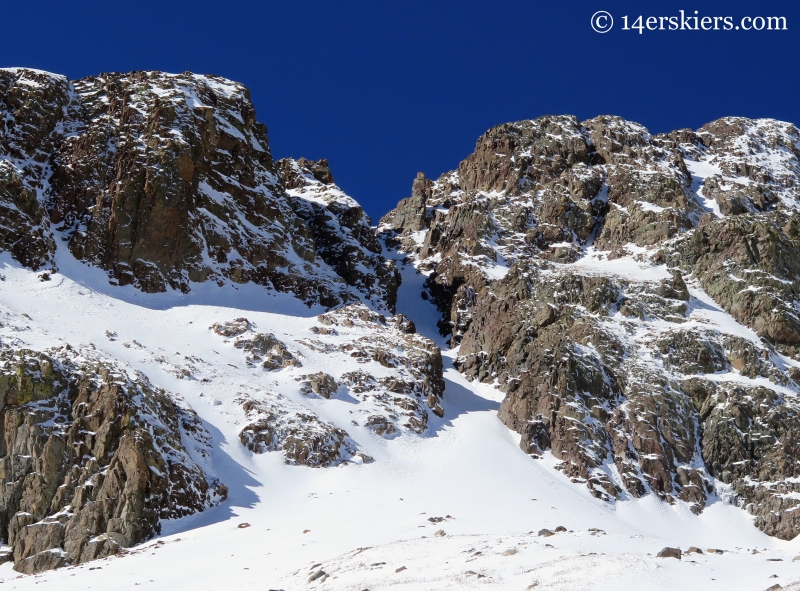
point(361, 522)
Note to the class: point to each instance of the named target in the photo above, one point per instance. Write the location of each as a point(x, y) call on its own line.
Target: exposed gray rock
point(92, 457)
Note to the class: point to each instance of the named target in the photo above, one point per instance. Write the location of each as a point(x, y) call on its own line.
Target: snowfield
point(365, 525)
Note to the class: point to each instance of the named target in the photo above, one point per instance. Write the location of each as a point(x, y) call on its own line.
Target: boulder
point(669, 553)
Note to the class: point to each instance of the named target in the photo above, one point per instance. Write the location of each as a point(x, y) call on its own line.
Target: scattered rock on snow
point(694, 550)
point(320, 383)
point(232, 328)
point(274, 423)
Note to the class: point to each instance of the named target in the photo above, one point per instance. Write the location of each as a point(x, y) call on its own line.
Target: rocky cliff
point(165, 181)
point(92, 457)
point(635, 295)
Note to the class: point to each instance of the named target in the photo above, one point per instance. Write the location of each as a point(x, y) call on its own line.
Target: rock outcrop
point(342, 232)
point(167, 180)
point(635, 295)
point(92, 457)
point(275, 424)
point(391, 375)
point(399, 372)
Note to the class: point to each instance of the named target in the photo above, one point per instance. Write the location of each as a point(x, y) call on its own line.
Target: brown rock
point(694, 549)
point(669, 553)
point(88, 448)
point(43, 561)
point(546, 533)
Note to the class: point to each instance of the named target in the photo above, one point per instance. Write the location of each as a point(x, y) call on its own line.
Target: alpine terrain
point(572, 362)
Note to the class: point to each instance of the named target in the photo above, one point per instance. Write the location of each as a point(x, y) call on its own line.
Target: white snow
point(629, 267)
point(350, 519)
point(700, 171)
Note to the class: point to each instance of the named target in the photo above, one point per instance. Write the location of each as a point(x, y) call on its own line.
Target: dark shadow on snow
point(457, 400)
point(238, 479)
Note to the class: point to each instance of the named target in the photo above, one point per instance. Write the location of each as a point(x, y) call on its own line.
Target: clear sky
point(386, 89)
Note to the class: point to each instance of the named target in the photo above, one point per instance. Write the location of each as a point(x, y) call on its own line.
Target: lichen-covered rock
point(92, 457)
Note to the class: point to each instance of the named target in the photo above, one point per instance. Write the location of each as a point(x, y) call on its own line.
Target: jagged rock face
point(635, 295)
point(342, 232)
point(543, 189)
point(32, 106)
point(581, 385)
point(92, 458)
point(164, 180)
point(749, 264)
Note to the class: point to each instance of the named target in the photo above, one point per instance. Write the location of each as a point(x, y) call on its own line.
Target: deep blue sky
point(386, 89)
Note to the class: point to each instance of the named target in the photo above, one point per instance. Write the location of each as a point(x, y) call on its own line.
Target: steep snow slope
point(466, 475)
